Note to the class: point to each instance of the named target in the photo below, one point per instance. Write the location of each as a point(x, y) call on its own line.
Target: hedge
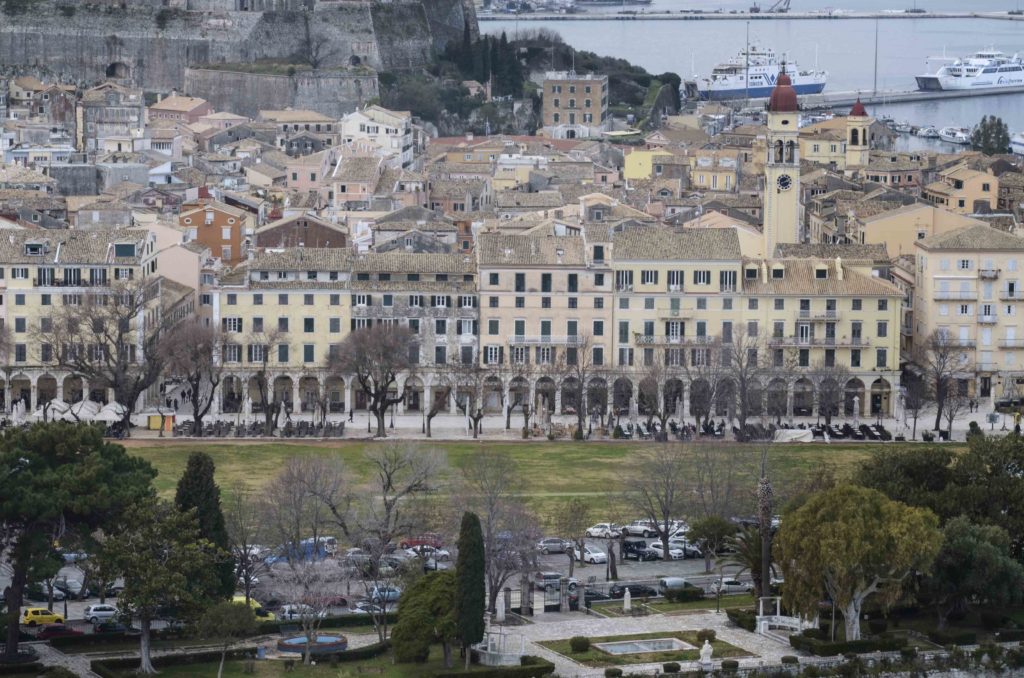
point(32, 668)
point(90, 639)
point(537, 667)
point(824, 648)
point(746, 619)
point(115, 668)
point(945, 638)
point(671, 667)
point(684, 595)
point(339, 622)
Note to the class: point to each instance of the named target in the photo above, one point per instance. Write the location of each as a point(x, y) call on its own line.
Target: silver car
point(553, 545)
point(95, 614)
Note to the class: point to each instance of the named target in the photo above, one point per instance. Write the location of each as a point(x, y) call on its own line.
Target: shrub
point(745, 619)
point(163, 17)
point(908, 653)
point(877, 626)
point(789, 659)
point(811, 671)
point(684, 595)
point(579, 644)
point(824, 648)
point(1009, 635)
point(948, 637)
point(27, 668)
point(817, 634)
point(617, 432)
point(613, 673)
point(59, 672)
point(671, 667)
point(706, 634)
point(730, 665)
point(992, 619)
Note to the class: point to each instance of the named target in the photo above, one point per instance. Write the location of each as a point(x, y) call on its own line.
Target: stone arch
point(647, 396)
point(21, 389)
point(725, 398)
point(828, 402)
point(519, 392)
point(790, 151)
point(700, 398)
point(283, 392)
point(545, 394)
point(570, 133)
point(309, 394)
point(118, 70)
point(493, 394)
point(803, 397)
point(673, 396)
point(881, 394)
point(622, 394)
point(755, 398)
point(854, 389)
point(571, 399)
point(74, 389)
point(230, 395)
point(354, 60)
point(778, 396)
point(778, 151)
point(46, 389)
point(597, 396)
point(855, 137)
point(413, 394)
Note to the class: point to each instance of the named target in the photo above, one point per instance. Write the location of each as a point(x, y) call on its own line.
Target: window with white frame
point(232, 324)
point(359, 299)
point(361, 323)
point(520, 355)
point(232, 353)
point(648, 277)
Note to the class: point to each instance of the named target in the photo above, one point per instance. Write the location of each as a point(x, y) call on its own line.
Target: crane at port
point(780, 7)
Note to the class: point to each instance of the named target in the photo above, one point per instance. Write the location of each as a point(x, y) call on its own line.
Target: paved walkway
point(80, 665)
point(764, 651)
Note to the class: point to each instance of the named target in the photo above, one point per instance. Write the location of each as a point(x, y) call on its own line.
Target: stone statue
point(705, 653)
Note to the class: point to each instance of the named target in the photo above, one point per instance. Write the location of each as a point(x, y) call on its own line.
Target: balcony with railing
point(988, 366)
point(988, 273)
point(657, 339)
point(60, 282)
point(955, 295)
point(1011, 343)
point(819, 314)
point(962, 342)
point(988, 319)
point(545, 339)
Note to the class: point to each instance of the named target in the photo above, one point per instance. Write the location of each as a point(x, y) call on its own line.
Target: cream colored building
point(575, 105)
point(961, 189)
point(969, 287)
point(901, 228)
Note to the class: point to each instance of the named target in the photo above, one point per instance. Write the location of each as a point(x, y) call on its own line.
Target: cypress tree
point(197, 490)
point(470, 597)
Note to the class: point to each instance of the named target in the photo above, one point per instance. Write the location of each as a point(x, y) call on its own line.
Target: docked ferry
point(987, 69)
point(752, 73)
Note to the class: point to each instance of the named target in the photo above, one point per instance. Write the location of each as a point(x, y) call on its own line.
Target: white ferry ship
point(1017, 143)
point(983, 70)
point(752, 73)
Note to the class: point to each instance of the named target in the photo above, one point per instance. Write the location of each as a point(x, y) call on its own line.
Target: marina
point(839, 99)
point(696, 15)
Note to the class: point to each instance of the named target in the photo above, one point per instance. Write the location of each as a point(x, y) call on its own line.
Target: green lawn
point(662, 606)
point(598, 658)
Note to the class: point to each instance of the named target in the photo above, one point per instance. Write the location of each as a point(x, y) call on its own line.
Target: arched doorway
point(803, 398)
point(700, 399)
point(778, 394)
point(725, 398)
point(21, 391)
point(853, 398)
point(46, 389)
point(309, 393)
point(283, 392)
point(622, 394)
point(413, 394)
point(755, 399)
point(674, 397)
point(545, 395)
point(597, 397)
point(829, 398)
point(881, 392)
point(493, 393)
point(230, 395)
point(647, 396)
point(571, 396)
point(256, 397)
point(74, 389)
point(518, 393)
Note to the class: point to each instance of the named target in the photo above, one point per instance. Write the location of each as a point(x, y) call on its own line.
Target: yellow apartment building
point(963, 190)
point(640, 164)
point(968, 287)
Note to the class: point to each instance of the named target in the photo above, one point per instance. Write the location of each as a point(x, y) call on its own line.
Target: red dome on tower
point(783, 99)
point(858, 109)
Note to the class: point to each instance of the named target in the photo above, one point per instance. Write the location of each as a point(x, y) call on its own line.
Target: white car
point(604, 531)
point(688, 549)
point(590, 555)
point(94, 614)
point(731, 586)
point(640, 528)
point(293, 612)
point(673, 553)
point(429, 552)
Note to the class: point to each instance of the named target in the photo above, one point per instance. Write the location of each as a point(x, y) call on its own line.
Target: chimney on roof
point(839, 268)
point(764, 272)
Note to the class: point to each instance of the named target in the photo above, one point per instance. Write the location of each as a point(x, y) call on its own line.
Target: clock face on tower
point(784, 182)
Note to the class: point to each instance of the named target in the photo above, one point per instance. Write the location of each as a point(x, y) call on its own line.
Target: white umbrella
point(108, 416)
point(83, 410)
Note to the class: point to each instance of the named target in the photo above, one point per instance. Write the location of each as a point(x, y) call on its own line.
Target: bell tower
point(858, 141)
point(782, 169)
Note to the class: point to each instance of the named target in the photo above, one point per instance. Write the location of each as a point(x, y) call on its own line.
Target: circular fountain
point(324, 643)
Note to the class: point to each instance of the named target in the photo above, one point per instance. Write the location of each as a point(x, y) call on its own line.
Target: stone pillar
point(815, 405)
point(507, 593)
point(400, 386)
point(33, 399)
point(686, 401)
point(789, 403)
point(563, 594)
point(558, 401)
point(216, 404)
point(451, 403)
point(427, 401)
point(60, 390)
point(296, 398)
point(349, 395)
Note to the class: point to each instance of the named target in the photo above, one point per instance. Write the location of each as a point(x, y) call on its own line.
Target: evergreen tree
point(465, 60)
point(198, 490)
point(991, 136)
point(470, 597)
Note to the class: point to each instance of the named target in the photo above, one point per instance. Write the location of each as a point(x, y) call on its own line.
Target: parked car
point(731, 586)
point(666, 584)
point(424, 539)
point(37, 616)
point(39, 593)
point(673, 553)
point(551, 581)
point(636, 549)
point(385, 594)
point(635, 590)
point(427, 551)
point(604, 531)
point(640, 528)
point(367, 608)
point(590, 555)
point(593, 595)
point(57, 631)
point(261, 612)
point(293, 612)
point(72, 588)
point(554, 545)
point(94, 614)
point(113, 627)
point(73, 556)
point(688, 549)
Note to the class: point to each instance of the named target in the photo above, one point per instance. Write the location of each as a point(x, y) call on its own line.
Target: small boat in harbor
point(928, 132)
point(955, 135)
point(903, 127)
point(1017, 143)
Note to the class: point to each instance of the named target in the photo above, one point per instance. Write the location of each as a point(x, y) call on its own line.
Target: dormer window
point(33, 249)
point(778, 273)
point(751, 274)
point(124, 249)
point(821, 273)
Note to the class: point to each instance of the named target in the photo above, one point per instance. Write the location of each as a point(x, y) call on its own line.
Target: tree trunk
point(446, 649)
point(851, 620)
point(572, 561)
point(380, 413)
point(13, 596)
point(938, 413)
point(126, 422)
point(913, 433)
point(145, 663)
point(223, 654)
point(430, 418)
point(466, 650)
point(197, 425)
point(613, 570)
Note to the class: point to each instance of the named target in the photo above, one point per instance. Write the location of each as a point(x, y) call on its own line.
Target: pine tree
point(991, 136)
point(197, 490)
point(470, 597)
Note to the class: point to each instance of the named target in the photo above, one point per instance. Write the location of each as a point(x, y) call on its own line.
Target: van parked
point(667, 584)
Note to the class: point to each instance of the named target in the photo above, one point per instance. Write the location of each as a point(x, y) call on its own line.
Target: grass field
point(598, 658)
point(551, 471)
point(662, 606)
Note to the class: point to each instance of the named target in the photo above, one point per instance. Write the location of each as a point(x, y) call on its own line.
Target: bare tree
point(519, 375)
point(579, 370)
point(714, 468)
point(376, 355)
point(315, 48)
point(705, 372)
point(572, 521)
point(657, 488)
point(830, 384)
point(113, 338)
point(192, 353)
point(940, 359)
point(956, 402)
point(491, 487)
point(468, 381)
point(244, 520)
point(439, 401)
point(651, 382)
point(259, 348)
point(915, 398)
point(746, 363)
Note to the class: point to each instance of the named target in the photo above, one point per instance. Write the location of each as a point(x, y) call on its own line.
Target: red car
point(425, 539)
point(57, 631)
